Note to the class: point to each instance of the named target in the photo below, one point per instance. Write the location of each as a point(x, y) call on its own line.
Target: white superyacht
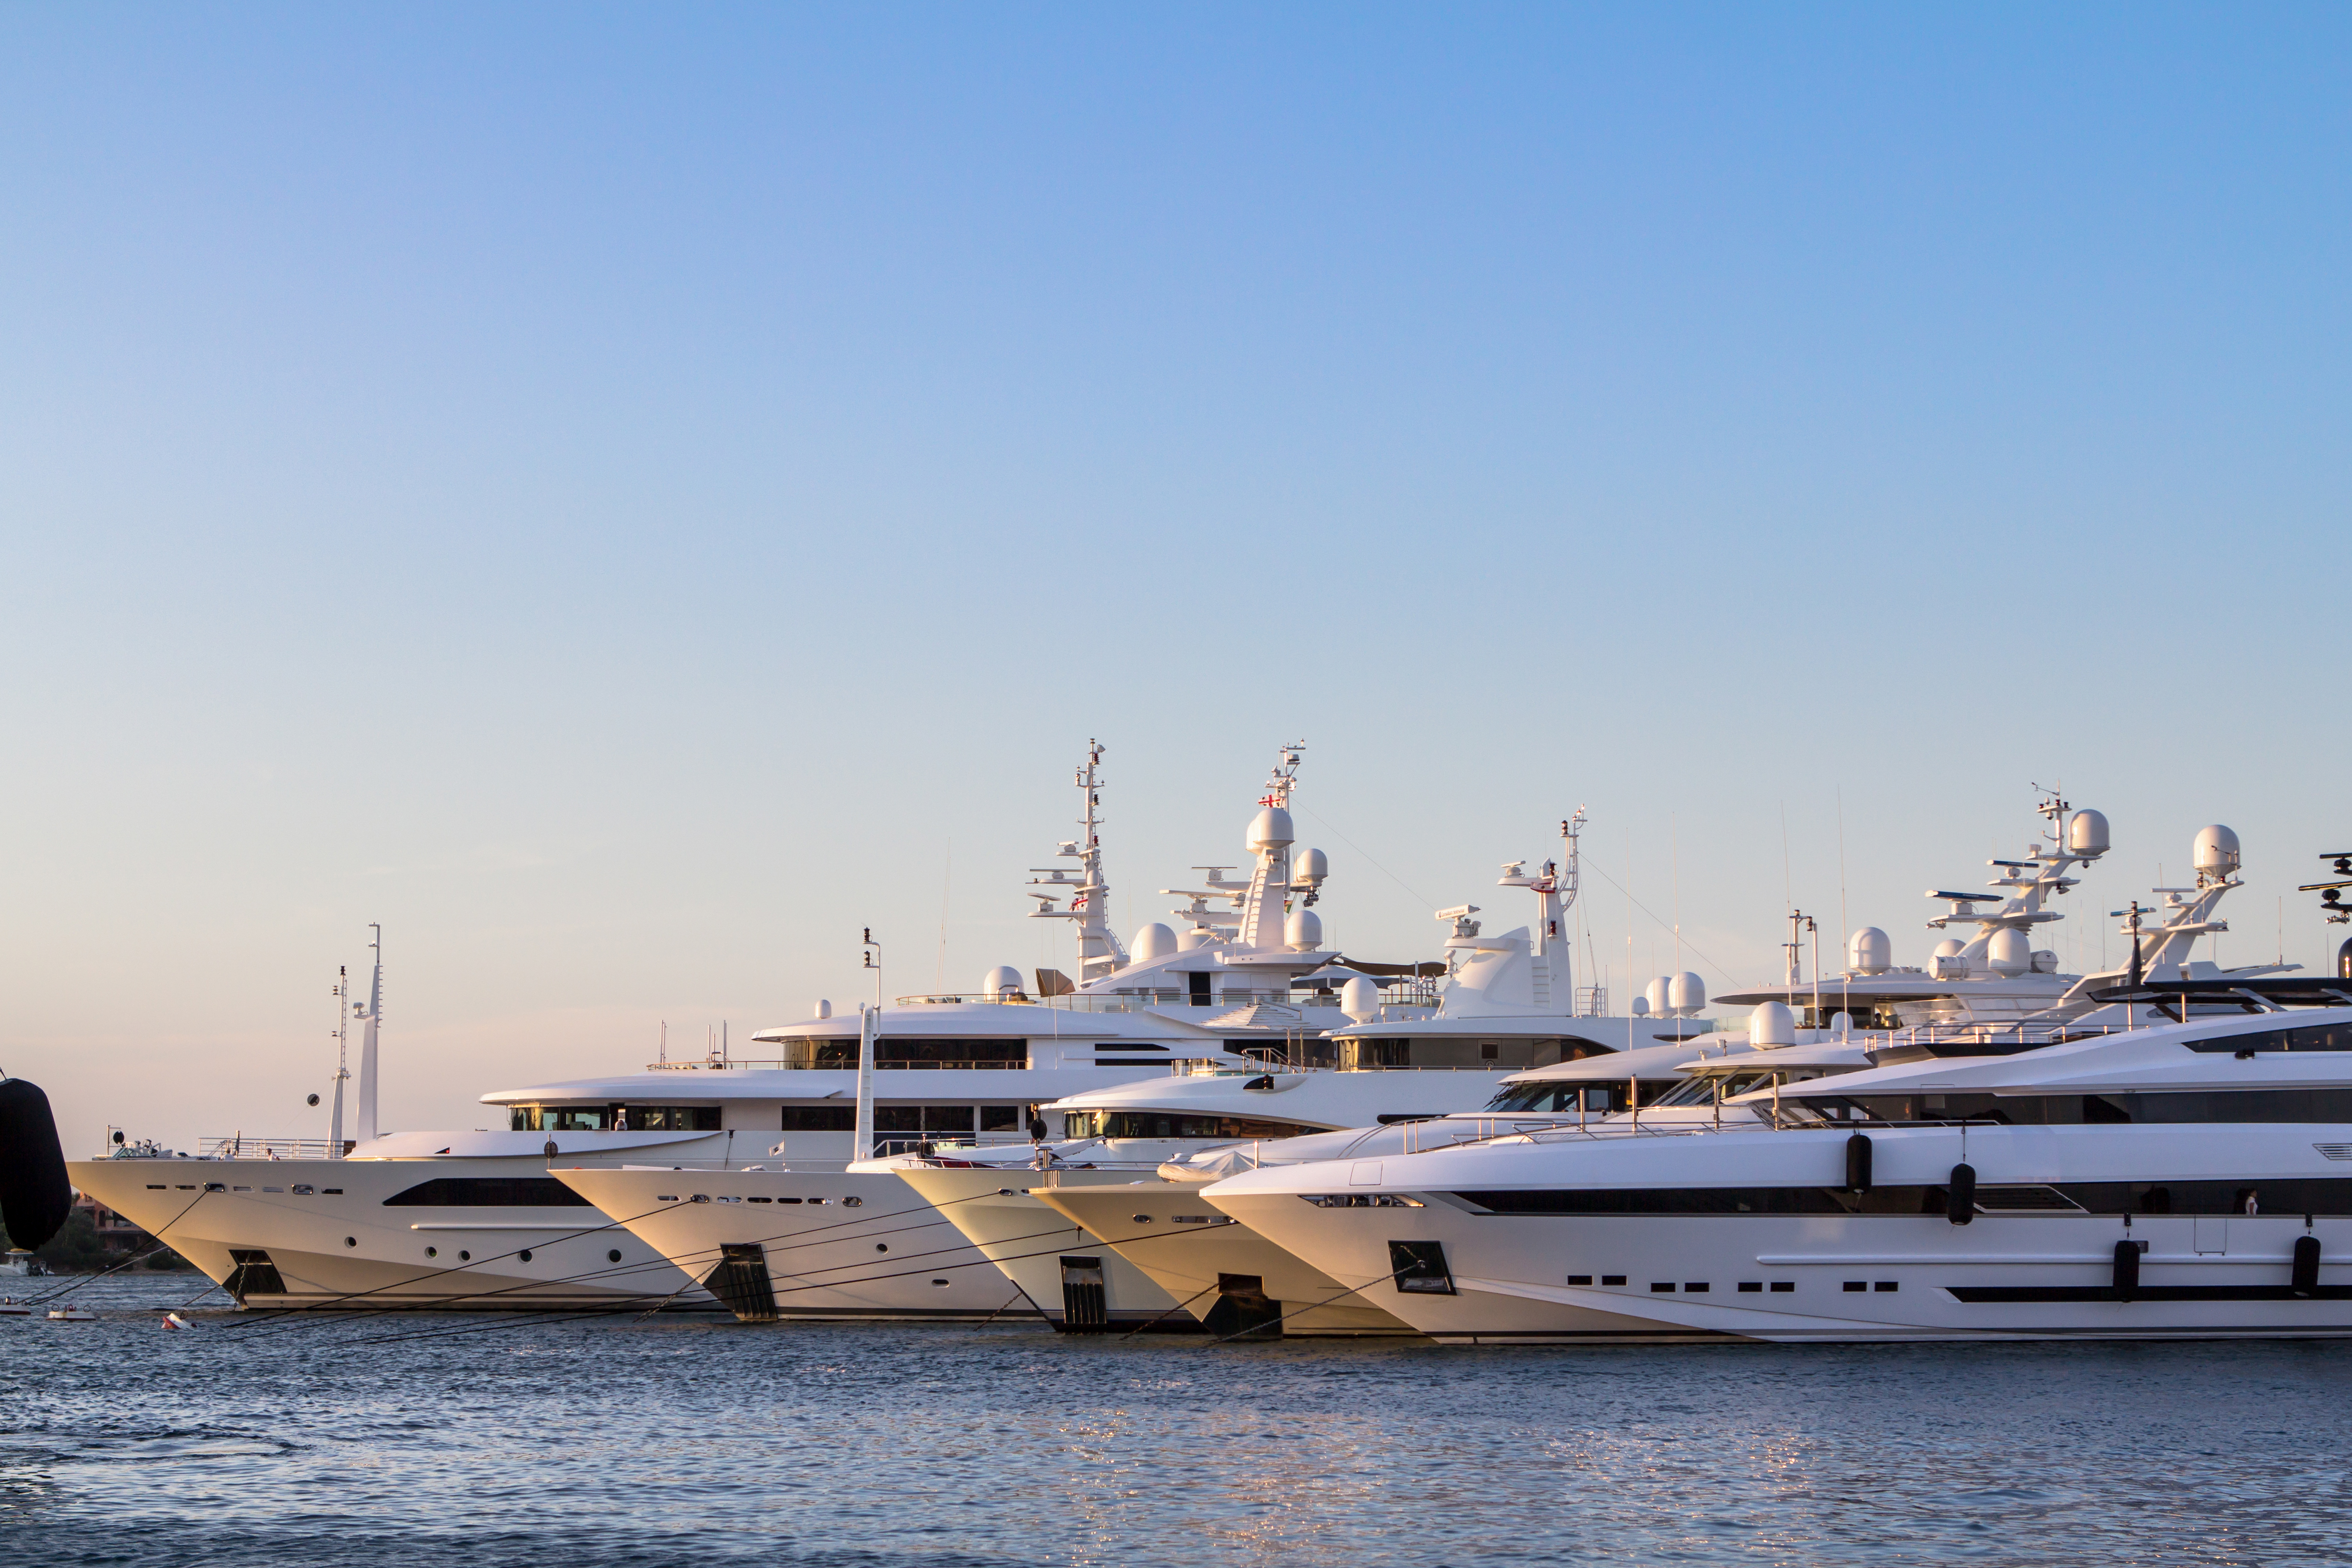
point(2161, 1160)
point(471, 1218)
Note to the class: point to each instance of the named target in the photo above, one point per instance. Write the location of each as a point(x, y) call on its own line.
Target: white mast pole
point(342, 1066)
point(869, 1025)
point(366, 1130)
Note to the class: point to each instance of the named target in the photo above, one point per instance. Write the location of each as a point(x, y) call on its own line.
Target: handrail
point(1124, 1001)
point(237, 1147)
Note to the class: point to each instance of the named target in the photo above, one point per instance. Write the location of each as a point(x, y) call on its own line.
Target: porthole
point(1140, 1219)
point(614, 1256)
point(881, 1247)
point(524, 1255)
point(433, 1251)
point(938, 1282)
point(350, 1241)
point(464, 1256)
point(853, 1203)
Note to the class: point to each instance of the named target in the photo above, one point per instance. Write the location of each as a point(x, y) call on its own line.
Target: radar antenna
point(2331, 899)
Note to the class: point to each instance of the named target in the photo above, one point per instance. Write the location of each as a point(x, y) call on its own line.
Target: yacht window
point(1599, 1098)
point(2226, 1105)
point(608, 1118)
point(2304, 1037)
point(813, 1051)
point(1000, 1118)
point(819, 1119)
point(488, 1192)
point(1700, 1090)
point(1168, 1125)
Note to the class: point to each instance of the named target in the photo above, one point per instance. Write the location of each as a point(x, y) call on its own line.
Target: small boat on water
point(10, 1307)
point(72, 1315)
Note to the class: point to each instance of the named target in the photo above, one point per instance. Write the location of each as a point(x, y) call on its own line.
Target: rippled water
point(407, 1438)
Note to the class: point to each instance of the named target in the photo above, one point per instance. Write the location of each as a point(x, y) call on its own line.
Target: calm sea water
point(444, 1438)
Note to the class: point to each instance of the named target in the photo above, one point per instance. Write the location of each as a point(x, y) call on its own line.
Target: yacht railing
point(238, 1146)
point(1986, 1038)
point(1133, 1001)
point(741, 1064)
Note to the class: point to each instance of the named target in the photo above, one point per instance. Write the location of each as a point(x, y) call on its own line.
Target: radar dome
point(2009, 953)
point(1687, 993)
point(1868, 952)
point(1154, 941)
point(1640, 1006)
point(1269, 830)
point(1194, 940)
point(2086, 835)
point(1310, 868)
point(1950, 947)
point(2216, 854)
point(1003, 980)
point(1359, 999)
point(1771, 1024)
point(823, 1007)
point(1303, 932)
point(1655, 993)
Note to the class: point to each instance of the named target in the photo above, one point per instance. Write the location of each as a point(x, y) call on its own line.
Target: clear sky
point(628, 497)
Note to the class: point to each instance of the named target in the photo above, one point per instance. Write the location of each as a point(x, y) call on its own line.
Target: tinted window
point(2304, 1037)
point(488, 1192)
point(1160, 1124)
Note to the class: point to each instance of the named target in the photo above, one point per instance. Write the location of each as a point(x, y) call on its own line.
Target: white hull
point(1532, 1277)
point(340, 1246)
point(1040, 1251)
point(1192, 1262)
point(829, 1245)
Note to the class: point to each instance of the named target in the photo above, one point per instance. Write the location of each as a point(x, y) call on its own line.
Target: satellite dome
point(2216, 854)
point(1950, 947)
point(1359, 999)
point(1771, 1024)
point(1639, 1008)
point(2009, 953)
point(1868, 952)
point(1194, 940)
point(1303, 932)
point(1154, 941)
point(1655, 994)
point(1687, 992)
point(1003, 980)
point(1310, 868)
point(823, 1007)
point(1270, 829)
point(2086, 835)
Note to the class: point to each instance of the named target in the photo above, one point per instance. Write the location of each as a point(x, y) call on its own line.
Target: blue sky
point(628, 497)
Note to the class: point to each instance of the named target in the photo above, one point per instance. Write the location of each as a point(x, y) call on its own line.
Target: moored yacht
point(1235, 1280)
point(2174, 1179)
